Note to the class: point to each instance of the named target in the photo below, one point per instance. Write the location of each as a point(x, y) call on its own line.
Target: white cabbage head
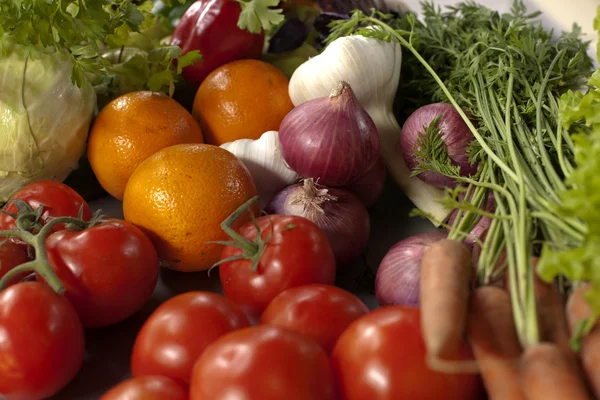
point(44, 120)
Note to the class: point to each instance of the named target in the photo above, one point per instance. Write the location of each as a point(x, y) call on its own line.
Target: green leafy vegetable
point(173, 11)
point(506, 72)
point(432, 153)
point(597, 28)
point(258, 15)
point(87, 30)
point(580, 114)
point(45, 120)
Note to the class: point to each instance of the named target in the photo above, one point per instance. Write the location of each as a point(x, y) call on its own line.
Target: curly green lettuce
point(580, 115)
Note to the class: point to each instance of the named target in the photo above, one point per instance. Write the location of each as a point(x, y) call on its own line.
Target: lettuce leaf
point(580, 115)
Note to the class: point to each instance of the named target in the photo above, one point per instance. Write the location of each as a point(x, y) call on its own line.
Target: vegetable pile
point(260, 157)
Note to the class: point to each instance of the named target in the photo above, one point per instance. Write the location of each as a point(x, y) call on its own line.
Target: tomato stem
point(227, 226)
point(251, 250)
point(40, 265)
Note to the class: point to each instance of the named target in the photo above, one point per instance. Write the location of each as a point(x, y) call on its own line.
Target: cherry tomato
point(147, 388)
point(382, 356)
point(109, 270)
point(12, 254)
point(297, 253)
point(210, 26)
point(266, 363)
point(179, 330)
point(322, 312)
point(58, 199)
point(41, 342)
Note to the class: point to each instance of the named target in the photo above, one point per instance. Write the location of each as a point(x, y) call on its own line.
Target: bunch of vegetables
point(63, 269)
point(62, 60)
point(507, 142)
point(497, 147)
point(278, 270)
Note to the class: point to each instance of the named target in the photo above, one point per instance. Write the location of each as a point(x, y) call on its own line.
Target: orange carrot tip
point(548, 374)
point(444, 294)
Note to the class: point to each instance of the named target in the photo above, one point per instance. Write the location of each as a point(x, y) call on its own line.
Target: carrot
point(550, 307)
point(445, 278)
point(552, 318)
point(493, 337)
point(548, 374)
point(578, 310)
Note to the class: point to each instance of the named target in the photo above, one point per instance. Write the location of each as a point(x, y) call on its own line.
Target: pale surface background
point(108, 350)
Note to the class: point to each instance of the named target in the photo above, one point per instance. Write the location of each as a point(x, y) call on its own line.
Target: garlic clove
point(372, 67)
point(263, 159)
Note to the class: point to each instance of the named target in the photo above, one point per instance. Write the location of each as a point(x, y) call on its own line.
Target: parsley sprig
point(84, 30)
point(259, 15)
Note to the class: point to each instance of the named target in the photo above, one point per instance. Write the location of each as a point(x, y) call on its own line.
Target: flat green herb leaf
point(163, 53)
point(73, 9)
point(159, 80)
point(188, 59)
point(84, 30)
point(258, 15)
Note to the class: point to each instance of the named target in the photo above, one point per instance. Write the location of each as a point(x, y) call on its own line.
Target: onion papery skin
point(455, 134)
point(344, 219)
point(331, 139)
point(369, 188)
point(397, 279)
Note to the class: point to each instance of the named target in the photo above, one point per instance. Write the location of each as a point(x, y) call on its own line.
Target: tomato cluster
point(107, 269)
point(309, 340)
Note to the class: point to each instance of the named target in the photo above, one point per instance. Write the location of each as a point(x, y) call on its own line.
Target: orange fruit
point(130, 129)
point(241, 100)
point(179, 197)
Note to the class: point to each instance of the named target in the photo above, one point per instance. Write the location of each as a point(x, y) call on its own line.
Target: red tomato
point(109, 270)
point(147, 388)
point(297, 253)
point(322, 312)
point(58, 199)
point(266, 363)
point(382, 356)
point(41, 342)
point(210, 26)
point(179, 330)
point(12, 254)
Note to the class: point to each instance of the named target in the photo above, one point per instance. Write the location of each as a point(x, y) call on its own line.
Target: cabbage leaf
point(44, 119)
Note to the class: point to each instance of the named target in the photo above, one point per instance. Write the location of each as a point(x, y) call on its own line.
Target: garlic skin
point(372, 67)
point(265, 162)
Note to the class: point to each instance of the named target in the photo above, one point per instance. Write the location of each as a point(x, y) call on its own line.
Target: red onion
point(397, 280)
point(338, 212)
point(331, 139)
point(454, 133)
point(482, 225)
point(370, 187)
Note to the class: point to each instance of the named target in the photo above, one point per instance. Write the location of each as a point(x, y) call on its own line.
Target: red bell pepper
point(210, 26)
